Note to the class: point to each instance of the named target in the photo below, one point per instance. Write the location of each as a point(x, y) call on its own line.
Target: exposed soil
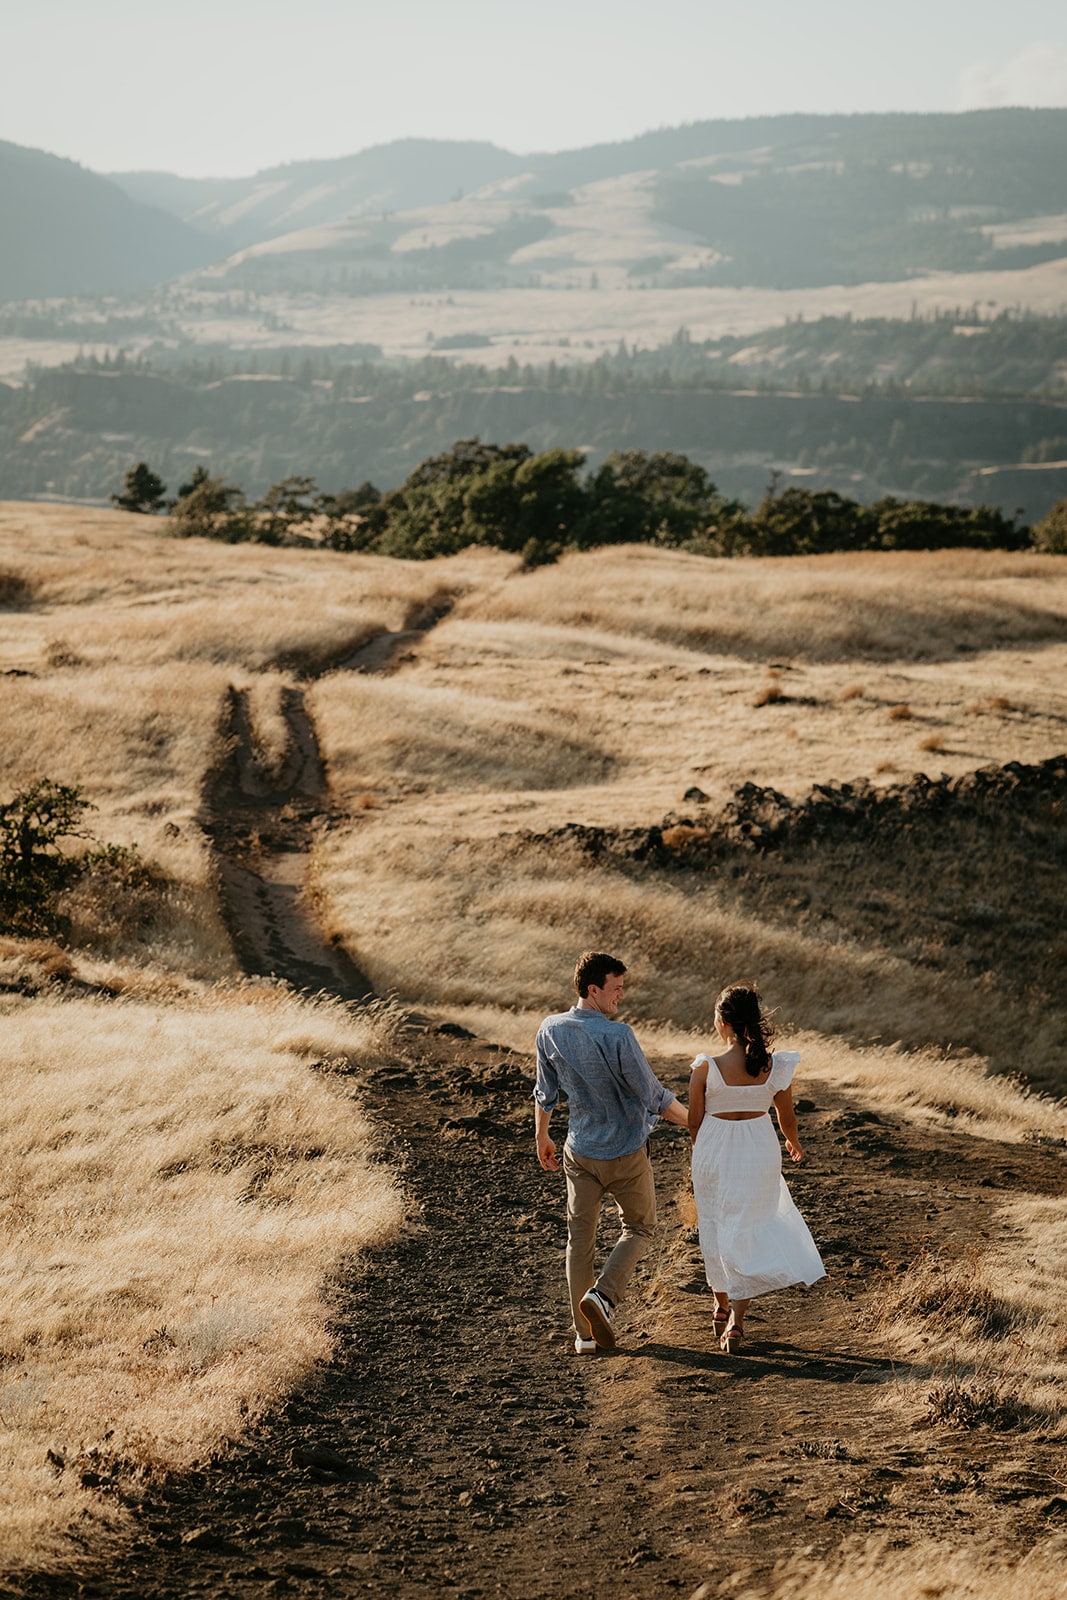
point(455, 1445)
point(261, 822)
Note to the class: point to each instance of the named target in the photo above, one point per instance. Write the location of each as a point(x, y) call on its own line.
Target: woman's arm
point(697, 1080)
point(787, 1121)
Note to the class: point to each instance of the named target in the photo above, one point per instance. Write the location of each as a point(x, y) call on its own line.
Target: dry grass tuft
point(684, 834)
point(900, 713)
point(966, 1406)
point(770, 695)
point(176, 1189)
point(1000, 702)
point(957, 1299)
point(933, 743)
point(854, 691)
point(877, 1569)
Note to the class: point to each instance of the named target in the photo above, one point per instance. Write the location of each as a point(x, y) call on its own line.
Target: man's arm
point(546, 1097)
point(676, 1113)
point(546, 1150)
point(647, 1088)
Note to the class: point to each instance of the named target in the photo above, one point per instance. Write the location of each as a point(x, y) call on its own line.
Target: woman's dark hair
point(592, 967)
point(740, 1007)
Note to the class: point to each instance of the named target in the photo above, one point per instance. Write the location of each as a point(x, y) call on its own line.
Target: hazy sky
point(221, 87)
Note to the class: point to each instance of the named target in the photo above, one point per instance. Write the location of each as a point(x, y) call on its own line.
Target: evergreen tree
point(142, 490)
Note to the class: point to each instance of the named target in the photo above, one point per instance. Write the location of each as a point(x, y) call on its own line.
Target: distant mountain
point(778, 202)
point(768, 202)
point(774, 202)
point(69, 231)
point(401, 176)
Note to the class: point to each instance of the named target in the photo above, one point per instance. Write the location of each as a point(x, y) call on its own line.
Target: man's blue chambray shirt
point(597, 1064)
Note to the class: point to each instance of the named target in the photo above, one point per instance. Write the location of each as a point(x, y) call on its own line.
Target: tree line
point(539, 504)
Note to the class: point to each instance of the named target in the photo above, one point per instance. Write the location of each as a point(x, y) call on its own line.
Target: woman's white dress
point(752, 1236)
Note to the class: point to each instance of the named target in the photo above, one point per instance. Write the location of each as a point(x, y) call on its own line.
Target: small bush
point(114, 902)
point(900, 713)
point(33, 866)
point(853, 692)
point(933, 742)
point(1050, 534)
point(16, 592)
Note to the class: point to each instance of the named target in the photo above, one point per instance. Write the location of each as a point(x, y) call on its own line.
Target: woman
point(752, 1236)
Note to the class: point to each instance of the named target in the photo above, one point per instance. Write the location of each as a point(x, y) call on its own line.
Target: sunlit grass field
point(177, 1188)
point(610, 691)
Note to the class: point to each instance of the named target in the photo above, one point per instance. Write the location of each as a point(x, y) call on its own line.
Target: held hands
point(795, 1152)
point(546, 1155)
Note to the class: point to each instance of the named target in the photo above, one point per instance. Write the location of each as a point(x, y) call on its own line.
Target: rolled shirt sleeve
point(546, 1086)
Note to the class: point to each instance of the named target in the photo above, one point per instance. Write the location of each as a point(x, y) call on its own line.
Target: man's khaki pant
point(628, 1180)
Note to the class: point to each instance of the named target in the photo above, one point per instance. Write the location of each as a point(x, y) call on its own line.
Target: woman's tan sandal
point(732, 1340)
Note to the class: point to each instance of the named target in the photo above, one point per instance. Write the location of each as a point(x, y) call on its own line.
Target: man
point(614, 1100)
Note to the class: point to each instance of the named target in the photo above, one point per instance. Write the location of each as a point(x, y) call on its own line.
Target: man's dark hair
point(592, 968)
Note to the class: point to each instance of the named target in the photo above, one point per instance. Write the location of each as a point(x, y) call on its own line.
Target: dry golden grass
point(879, 1570)
point(880, 606)
point(115, 589)
point(985, 1337)
point(409, 737)
point(118, 646)
point(177, 1189)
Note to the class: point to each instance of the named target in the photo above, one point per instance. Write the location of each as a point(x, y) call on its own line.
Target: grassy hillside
point(601, 691)
point(777, 201)
point(633, 749)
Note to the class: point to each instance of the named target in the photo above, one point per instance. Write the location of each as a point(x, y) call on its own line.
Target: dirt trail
point(456, 1446)
point(261, 824)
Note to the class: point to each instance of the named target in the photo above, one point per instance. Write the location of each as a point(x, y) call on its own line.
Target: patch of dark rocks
point(760, 818)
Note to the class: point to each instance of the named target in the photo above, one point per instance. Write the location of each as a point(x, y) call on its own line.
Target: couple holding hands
point(752, 1237)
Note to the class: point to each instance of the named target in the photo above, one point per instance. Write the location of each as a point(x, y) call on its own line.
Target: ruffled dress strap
point(784, 1064)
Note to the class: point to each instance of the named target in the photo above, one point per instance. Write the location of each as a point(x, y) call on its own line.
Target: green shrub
point(33, 866)
point(1050, 534)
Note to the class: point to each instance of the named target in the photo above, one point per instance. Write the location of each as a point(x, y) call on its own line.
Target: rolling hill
point(70, 231)
point(778, 202)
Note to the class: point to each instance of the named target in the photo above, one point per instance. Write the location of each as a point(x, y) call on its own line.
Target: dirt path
point(261, 824)
point(456, 1446)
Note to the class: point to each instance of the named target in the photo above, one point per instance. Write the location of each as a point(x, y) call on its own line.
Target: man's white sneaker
point(584, 1347)
point(596, 1309)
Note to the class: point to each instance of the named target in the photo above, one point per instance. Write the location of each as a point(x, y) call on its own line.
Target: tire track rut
point(261, 824)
